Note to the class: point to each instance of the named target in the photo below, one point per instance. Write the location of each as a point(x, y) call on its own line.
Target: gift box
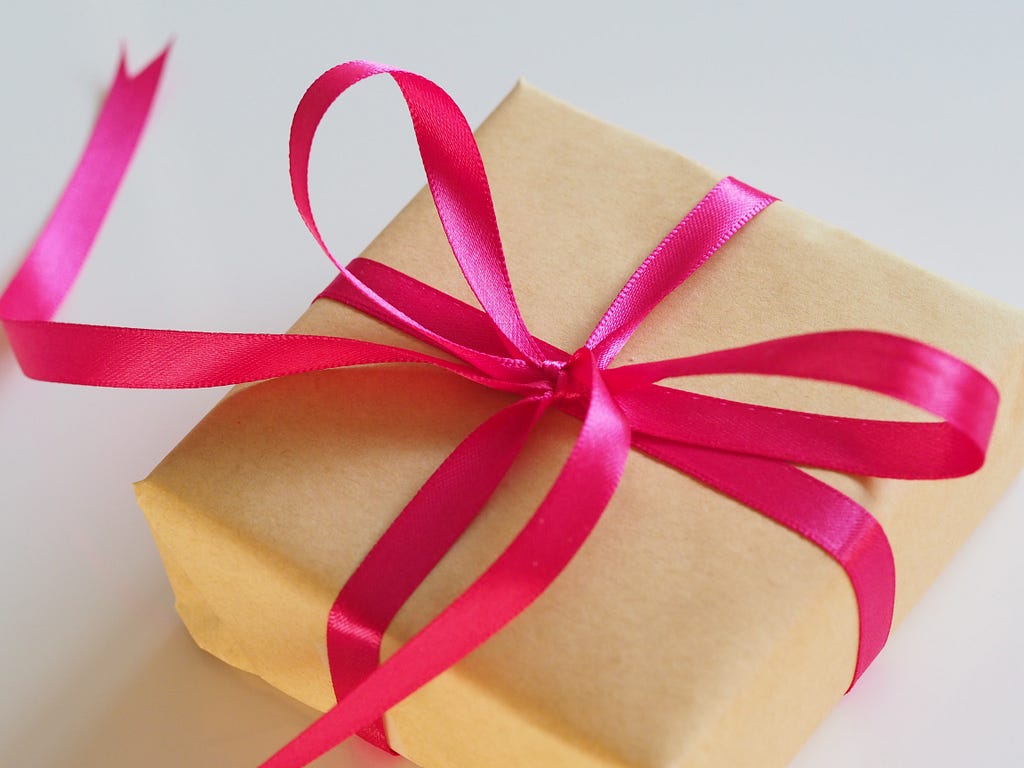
point(689, 630)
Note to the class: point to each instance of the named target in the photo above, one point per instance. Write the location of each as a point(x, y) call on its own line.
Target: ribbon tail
point(147, 358)
point(821, 514)
point(56, 257)
point(416, 542)
point(532, 561)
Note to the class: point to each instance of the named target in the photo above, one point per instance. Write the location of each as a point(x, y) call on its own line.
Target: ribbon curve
point(746, 451)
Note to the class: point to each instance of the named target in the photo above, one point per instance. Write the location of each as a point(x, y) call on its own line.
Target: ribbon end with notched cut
point(153, 69)
point(56, 257)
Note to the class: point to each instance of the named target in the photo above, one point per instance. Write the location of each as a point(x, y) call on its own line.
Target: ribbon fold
point(745, 451)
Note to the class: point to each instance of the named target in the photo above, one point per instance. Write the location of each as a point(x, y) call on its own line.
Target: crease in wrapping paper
point(689, 631)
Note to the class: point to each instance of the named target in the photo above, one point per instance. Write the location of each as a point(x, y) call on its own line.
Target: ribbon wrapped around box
point(687, 630)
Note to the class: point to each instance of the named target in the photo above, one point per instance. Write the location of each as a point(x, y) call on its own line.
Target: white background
point(900, 123)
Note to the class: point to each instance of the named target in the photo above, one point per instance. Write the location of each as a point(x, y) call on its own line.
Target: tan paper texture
point(689, 631)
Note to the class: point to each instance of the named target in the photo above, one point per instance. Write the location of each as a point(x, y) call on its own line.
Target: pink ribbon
point(746, 451)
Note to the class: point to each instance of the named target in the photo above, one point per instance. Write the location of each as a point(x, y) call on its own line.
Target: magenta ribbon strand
point(746, 451)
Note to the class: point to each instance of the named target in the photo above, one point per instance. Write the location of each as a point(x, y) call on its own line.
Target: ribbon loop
point(457, 181)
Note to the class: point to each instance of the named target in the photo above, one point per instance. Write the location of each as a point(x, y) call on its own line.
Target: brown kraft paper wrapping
point(689, 631)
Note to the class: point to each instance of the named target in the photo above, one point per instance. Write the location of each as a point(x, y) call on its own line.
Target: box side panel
point(246, 608)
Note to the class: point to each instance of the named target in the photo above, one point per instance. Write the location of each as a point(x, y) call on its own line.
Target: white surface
point(902, 125)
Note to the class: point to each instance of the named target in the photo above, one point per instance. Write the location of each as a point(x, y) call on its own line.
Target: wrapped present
point(688, 630)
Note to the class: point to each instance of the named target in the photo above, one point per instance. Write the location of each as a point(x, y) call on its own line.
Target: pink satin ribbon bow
point(745, 451)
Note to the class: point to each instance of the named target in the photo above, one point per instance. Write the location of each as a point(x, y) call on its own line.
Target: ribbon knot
point(567, 381)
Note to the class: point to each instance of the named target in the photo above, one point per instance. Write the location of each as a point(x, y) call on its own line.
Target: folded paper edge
point(442, 700)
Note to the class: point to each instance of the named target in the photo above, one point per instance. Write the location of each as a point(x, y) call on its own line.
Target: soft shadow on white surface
point(944, 690)
point(180, 707)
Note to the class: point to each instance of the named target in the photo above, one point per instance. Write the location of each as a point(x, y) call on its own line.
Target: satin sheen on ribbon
point(745, 451)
